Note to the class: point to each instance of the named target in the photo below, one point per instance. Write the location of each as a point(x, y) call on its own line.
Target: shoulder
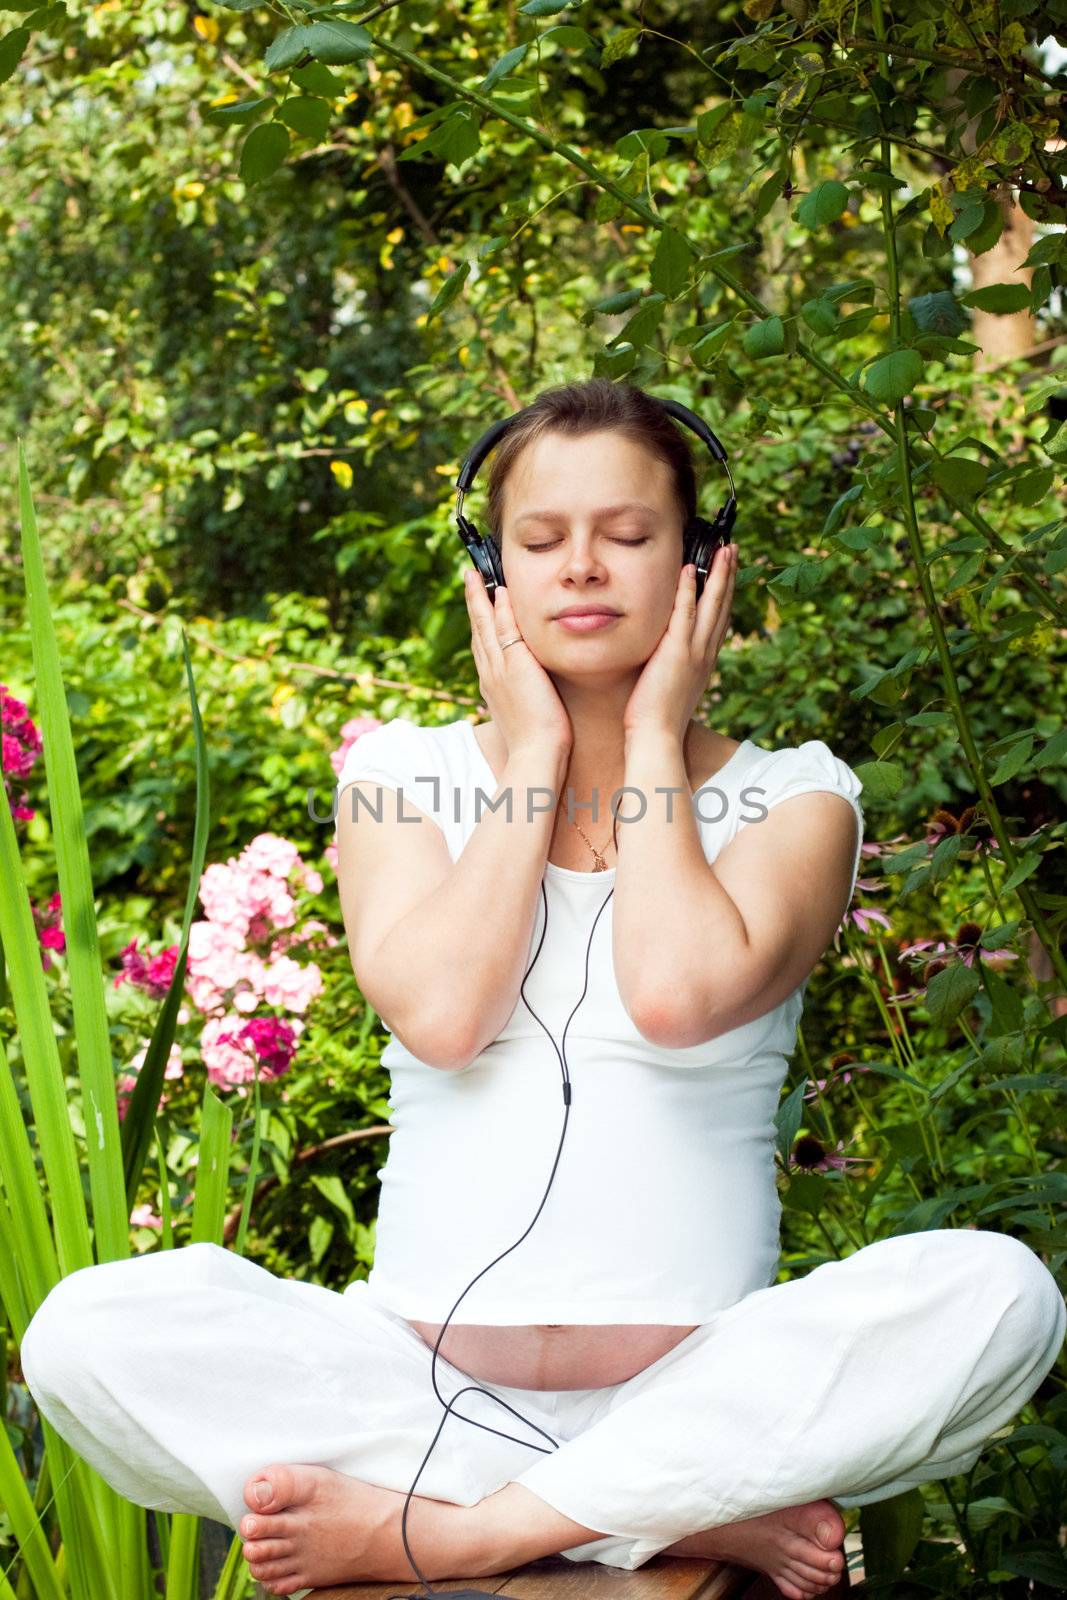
point(807, 768)
point(397, 751)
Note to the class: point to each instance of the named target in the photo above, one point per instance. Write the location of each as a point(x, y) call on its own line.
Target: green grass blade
point(183, 1568)
point(140, 1120)
point(48, 1096)
point(33, 1547)
point(213, 1170)
point(234, 1577)
point(95, 1072)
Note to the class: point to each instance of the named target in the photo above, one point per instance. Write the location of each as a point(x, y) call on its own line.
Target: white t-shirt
point(664, 1205)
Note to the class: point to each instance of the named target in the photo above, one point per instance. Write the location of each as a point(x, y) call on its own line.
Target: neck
point(598, 753)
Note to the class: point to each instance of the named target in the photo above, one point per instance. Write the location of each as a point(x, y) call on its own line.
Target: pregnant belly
point(553, 1355)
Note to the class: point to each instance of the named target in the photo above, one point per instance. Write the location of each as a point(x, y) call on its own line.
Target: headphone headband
point(701, 540)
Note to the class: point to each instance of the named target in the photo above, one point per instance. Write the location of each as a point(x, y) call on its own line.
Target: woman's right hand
point(522, 699)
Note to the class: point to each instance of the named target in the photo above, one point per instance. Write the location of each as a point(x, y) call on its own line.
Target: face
point(563, 545)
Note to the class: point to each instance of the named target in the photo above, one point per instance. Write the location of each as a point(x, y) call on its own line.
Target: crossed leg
point(870, 1375)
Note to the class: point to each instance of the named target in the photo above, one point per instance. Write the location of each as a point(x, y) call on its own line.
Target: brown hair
point(580, 408)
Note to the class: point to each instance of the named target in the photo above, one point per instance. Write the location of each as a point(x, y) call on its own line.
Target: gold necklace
point(600, 864)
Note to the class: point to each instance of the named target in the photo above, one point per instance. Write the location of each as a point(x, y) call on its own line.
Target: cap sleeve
point(812, 768)
point(398, 756)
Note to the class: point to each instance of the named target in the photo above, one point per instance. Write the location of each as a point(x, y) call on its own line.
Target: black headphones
point(701, 538)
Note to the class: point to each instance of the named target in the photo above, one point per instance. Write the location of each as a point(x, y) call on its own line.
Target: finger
point(476, 597)
point(718, 592)
point(685, 602)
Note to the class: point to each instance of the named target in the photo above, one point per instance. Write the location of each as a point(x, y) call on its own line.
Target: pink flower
point(50, 934)
point(835, 1077)
point(175, 1067)
point(154, 975)
point(144, 1217)
point(127, 1081)
point(864, 916)
point(809, 1155)
point(231, 1050)
point(20, 745)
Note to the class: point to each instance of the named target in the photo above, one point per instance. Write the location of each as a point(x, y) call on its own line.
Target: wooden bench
point(556, 1578)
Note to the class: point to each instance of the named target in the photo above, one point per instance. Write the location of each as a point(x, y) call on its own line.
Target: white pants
point(178, 1374)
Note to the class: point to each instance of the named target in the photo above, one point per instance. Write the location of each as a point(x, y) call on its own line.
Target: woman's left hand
point(676, 674)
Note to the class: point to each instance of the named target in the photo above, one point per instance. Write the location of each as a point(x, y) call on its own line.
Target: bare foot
point(798, 1547)
point(320, 1527)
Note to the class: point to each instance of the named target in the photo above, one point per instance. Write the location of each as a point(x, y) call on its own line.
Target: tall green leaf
point(95, 1072)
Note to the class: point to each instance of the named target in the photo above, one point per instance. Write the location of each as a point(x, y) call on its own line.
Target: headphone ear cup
point(702, 539)
point(483, 552)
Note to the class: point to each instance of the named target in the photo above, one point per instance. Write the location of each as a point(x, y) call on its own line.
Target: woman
point(628, 1309)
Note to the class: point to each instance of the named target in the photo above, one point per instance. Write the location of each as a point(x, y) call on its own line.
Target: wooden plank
point(555, 1578)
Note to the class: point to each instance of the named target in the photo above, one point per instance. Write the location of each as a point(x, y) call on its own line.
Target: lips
point(587, 611)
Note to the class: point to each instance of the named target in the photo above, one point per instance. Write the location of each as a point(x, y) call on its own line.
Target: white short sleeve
point(813, 768)
point(400, 757)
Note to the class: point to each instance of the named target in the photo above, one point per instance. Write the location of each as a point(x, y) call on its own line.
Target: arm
point(445, 969)
point(702, 949)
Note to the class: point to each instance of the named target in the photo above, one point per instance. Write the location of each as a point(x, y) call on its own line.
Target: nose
point(582, 564)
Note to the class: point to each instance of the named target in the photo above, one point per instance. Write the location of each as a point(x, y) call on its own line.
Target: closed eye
point(615, 541)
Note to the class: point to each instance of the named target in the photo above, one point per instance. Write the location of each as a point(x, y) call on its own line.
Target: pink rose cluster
point(352, 730)
point(20, 745)
point(239, 962)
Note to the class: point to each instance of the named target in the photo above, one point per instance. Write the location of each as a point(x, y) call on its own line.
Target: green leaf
point(822, 205)
point(544, 8)
point(893, 376)
point(960, 476)
point(821, 315)
point(264, 151)
point(339, 42)
point(306, 114)
point(968, 220)
point(1000, 298)
point(287, 49)
point(501, 68)
point(765, 338)
point(332, 1189)
point(314, 78)
point(709, 344)
point(891, 1530)
point(1043, 1566)
point(788, 1118)
point(11, 47)
point(644, 322)
point(670, 265)
point(837, 509)
point(881, 780)
point(1032, 487)
point(1013, 760)
point(617, 302)
point(949, 991)
point(238, 111)
point(568, 36)
point(618, 45)
point(937, 313)
point(1054, 750)
point(449, 289)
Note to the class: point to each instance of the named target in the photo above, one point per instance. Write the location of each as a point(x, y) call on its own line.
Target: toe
point(791, 1590)
point(270, 1571)
point(830, 1529)
point(260, 1550)
point(280, 1482)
